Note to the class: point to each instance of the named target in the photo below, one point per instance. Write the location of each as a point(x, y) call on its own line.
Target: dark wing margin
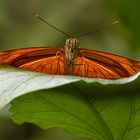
point(105, 65)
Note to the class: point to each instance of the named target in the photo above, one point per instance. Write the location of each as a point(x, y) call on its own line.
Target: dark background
point(20, 28)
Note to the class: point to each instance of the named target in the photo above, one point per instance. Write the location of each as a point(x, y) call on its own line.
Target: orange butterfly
point(71, 60)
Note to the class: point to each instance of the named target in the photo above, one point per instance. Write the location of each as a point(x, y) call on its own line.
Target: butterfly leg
point(60, 52)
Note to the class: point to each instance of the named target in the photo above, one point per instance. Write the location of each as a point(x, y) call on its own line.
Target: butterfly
point(70, 59)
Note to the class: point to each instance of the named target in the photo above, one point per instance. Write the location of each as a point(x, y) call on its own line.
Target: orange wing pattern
point(39, 59)
point(89, 63)
point(105, 65)
point(11, 56)
point(51, 65)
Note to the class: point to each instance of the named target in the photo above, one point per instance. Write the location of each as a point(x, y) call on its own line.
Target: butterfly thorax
point(71, 51)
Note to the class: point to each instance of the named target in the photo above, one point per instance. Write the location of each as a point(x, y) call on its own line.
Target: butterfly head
point(71, 50)
point(72, 44)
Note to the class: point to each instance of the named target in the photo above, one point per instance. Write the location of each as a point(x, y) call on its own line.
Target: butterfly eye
point(68, 42)
point(76, 42)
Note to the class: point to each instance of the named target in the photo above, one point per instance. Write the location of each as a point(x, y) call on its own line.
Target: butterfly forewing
point(12, 56)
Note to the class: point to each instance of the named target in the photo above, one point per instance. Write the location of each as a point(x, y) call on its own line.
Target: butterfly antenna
point(52, 26)
point(98, 30)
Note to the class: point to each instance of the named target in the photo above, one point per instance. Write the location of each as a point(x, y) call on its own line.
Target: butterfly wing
point(90, 63)
point(40, 59)
point(104, 65)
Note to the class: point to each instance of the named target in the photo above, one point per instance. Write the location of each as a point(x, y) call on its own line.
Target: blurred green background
point(20, 28)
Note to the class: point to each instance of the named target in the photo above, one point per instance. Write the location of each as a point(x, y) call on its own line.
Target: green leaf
point(15, 82)
point(101, 112)
point(88, 107)
point(81, 106)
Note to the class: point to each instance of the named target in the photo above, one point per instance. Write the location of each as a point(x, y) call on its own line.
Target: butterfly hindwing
point(108, 66)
